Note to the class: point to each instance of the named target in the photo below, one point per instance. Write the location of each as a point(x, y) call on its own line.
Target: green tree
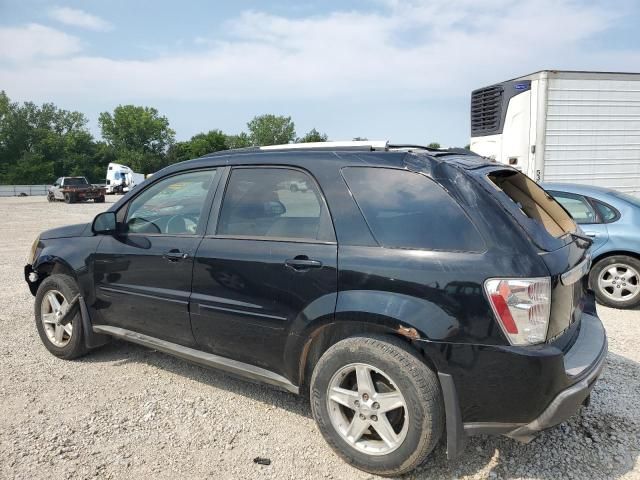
point(360, 139)
point(433, 145)
point(271, 130)
point(139, 135)
point(241, 140)
point(199, 145)
point(39, 143)
point(203, 143)
point(313, 135)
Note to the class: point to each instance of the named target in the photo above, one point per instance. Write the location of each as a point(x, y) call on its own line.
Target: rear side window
point(577, 206)
point(408, 210)
point(534, 202)
point(607, 213)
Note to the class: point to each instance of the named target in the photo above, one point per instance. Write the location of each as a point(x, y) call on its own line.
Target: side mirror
point(104, 223)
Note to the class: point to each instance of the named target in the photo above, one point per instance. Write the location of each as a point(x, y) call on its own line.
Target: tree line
point(39, 143)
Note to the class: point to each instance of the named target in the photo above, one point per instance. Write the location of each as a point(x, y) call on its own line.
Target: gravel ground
point(128, 412)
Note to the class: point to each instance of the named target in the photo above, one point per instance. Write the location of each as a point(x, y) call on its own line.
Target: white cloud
point(79, 18)
point(416, 50)
point(24, 43)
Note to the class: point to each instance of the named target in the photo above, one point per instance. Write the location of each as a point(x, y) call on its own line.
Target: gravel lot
point(128, 412)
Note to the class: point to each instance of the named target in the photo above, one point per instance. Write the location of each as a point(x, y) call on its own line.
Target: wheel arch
point(48, 265)
point(305, 350)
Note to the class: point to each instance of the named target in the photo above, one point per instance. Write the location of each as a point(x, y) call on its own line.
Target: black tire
point(69, 288)
point(293, 187)
point(50, 197)
point(602, 295)
point(413, 378)
point(69, 198)
point(99, 199)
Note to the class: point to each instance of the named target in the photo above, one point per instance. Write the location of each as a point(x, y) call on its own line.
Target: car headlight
point(31, 255)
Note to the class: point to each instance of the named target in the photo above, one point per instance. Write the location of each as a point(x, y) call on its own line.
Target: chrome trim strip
point(202, 358)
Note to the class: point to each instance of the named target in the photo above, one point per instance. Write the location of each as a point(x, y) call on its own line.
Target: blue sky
point(384, 69)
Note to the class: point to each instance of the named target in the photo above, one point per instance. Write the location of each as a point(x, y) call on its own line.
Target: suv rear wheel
point(616, 281)
point(68, 198)
point(377, 405)
point(55, 295)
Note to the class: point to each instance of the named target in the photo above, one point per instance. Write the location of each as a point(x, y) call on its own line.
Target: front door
point(269, 259)
point(143, 273)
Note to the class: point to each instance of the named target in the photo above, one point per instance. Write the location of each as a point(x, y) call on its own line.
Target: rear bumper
point(584, 361)
point(543, 372)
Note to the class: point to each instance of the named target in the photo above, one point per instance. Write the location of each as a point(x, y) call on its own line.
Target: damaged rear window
point(533, 202)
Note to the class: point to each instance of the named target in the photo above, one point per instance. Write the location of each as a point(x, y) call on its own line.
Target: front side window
point(408, 210)
point(577, 206)
point(274, 203)
point(171, 206)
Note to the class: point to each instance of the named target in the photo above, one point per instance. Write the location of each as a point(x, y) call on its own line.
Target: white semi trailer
point(560, 126)
point(121, 179)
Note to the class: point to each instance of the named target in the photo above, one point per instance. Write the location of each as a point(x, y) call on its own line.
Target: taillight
point(522, 307)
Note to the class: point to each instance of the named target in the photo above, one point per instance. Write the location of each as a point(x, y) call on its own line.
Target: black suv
point(413, 294)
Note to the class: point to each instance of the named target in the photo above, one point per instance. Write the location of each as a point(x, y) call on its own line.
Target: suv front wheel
point(54, 298)
point(377, 405)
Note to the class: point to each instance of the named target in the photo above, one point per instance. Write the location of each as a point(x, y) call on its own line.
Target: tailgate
point(568, 267)
point(558, 239)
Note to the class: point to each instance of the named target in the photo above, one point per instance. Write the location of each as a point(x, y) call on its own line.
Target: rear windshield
point(75, 181)
point(408, 210)
point(533, 202)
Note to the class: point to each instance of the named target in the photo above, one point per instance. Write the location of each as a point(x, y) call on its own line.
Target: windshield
point(75, 181)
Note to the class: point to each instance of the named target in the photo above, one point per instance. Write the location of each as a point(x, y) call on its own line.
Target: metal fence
point(23, 190)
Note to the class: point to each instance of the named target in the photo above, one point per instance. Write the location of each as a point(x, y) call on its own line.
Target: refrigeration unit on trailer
point(561, 126)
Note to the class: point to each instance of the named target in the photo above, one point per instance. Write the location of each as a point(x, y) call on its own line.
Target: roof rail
point(356, 144)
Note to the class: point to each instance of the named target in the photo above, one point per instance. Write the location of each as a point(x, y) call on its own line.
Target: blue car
point(612, 220)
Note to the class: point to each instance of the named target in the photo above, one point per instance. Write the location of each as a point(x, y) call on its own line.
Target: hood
point(67, 231)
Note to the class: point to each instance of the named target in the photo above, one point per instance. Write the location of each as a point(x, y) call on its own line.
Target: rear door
point(143, 274)
point(269, 257)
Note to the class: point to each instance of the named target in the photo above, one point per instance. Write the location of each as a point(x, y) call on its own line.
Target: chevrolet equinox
point(412, 294)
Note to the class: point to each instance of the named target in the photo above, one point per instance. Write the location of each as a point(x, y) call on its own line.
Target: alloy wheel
point(54, 306)
point(619, 282)
point(367, 409)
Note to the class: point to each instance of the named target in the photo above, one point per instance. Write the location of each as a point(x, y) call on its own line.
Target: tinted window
point(75, 181)
point(172, 206)
point(408, 210)
point(607, 212)
point(577, 206)
point(274, 203)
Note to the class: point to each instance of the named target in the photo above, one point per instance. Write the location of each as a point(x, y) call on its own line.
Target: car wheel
point(99, 199)
point(55, 295)
point(377, 405)
point(68, 198)
point(616, 281)
point(50, 197)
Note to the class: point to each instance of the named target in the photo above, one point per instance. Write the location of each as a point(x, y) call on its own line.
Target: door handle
point(302, 262)
point(591, 235)
point(175, 255)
